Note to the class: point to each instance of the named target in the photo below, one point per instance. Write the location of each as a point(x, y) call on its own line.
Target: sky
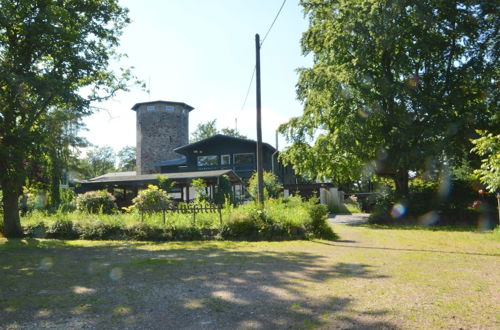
point(203, 53)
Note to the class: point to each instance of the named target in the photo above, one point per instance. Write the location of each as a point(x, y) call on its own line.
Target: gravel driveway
point(348, 219)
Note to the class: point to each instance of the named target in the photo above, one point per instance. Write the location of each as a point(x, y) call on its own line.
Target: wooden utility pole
point(260, 163)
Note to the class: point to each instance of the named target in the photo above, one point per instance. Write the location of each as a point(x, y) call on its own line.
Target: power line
point(271, 26)
point(262, 42)
point(249, 87)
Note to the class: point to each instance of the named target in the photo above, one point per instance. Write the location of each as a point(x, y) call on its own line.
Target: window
point(150, 108)
point(243, 159)
point(169, 108)
point(225, 159)
point(208, 160)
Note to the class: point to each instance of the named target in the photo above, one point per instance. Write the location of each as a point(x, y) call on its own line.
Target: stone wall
point(161, 127)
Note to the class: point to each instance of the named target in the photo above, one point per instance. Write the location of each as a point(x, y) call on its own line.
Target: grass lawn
point(370, 278)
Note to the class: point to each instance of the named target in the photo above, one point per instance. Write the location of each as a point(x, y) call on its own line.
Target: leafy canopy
point(488, 147)
point(394, 85)
point(208, 129)
point(53, 55)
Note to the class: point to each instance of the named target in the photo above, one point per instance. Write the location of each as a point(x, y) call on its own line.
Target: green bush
point(272, 188)
point(152, 199)
point(240, 226)
point(96, 202)
point(431, 203)
point(319, 225)
point(35, 230)
point(142, 231)
point(280, 219)
point(62, 229)
point(98, 230)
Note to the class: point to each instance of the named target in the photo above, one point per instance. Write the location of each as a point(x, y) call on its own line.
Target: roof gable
point(219, 138)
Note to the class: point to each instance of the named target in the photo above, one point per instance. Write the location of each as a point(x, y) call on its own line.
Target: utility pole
point(260, 167)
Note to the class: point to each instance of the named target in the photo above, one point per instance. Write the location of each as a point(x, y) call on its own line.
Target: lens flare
point(398, 210)
point(428, 218)
point(116, 274)
point(46, 263)
point(363, 113)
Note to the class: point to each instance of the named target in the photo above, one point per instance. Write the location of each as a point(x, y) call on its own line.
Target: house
point(222, 152)
point(163, 148)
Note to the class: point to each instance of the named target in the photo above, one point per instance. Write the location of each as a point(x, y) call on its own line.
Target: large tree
point(53, 55)
point(98, 161)
point(208, 129)
point(126, 158)
point(395, 85)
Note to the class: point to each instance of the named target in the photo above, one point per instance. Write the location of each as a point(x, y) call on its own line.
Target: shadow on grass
point(422, 227)
point(408, 250)
point(218, 285)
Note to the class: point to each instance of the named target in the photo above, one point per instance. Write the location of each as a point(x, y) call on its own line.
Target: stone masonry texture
point(159, 131)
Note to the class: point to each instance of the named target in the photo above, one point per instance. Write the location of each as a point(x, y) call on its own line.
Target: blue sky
point(202, 53)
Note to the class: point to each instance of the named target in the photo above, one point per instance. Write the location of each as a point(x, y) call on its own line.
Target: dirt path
point(348, 219)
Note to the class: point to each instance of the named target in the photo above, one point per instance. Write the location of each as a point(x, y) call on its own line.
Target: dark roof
point(131, 177)
point(221, 136)
point(177, 161)
point(137, 105)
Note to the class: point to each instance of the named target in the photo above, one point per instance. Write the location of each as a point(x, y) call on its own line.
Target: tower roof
point(187, 106)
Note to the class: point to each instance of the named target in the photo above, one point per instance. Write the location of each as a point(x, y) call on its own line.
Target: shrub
point(152, 199)
point(96, 202)
point(272, 188)
point(431, 203)
point(319, 225)
point(98, 230)
point(143, 231)
point(35, 230)
point(240, 226)
point(201, 193)
point(62, 229)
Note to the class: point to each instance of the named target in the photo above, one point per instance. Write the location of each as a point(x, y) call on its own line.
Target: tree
point(208, 129)
point(487, 146)
point(204, 130)
point(394, 85)
point(126, 159)
point(233, 132)
point(99, 161)
point(272, 187)
point(52, 55)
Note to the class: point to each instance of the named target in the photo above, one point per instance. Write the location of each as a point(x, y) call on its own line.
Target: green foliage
point(319, 225)
point(126, 159)
point(224, 191)
point(272, 187)
point(165, 184)
point(394, 85)
point(232, 132)
point(204, 131)
point(201, 193)
point(54, 61)
point(208, 129)
point(96, 202)
point(152, 199)
point(99, 161)
point(447, 202)
point(488, 147)
point(282, 219)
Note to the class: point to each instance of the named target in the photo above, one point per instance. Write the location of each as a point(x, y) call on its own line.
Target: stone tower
point(162, 126)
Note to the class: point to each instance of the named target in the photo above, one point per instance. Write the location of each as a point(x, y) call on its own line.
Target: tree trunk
point(55, 180)
point(11, 220)
point(498, 205)
point(401, 180)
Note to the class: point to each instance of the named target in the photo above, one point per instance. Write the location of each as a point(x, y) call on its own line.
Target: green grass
point(373, 277)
